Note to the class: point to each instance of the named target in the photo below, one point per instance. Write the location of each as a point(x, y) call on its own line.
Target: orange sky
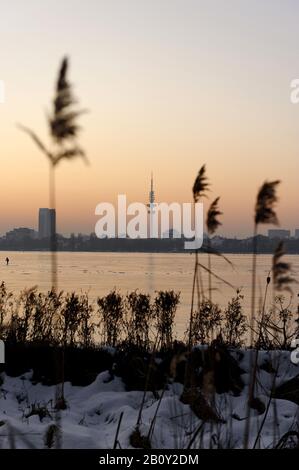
point(170, 85)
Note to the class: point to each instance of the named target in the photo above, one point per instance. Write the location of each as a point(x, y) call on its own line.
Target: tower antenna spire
point(152, 192)
point(151, 206)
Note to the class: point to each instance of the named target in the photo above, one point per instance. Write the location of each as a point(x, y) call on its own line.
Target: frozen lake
point(98, 273)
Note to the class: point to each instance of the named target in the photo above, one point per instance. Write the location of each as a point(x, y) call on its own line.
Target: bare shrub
point(206, 321)
point(86, 326)
point(138, 319)
point(165, 305)
point(235, 325)
point(111, 310)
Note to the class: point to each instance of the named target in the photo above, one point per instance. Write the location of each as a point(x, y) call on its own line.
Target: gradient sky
point(170, 85)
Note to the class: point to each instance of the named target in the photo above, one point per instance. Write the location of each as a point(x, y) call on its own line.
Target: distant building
point(279, 234)
point(21, 234)
point(217, 241)
point(46, 223)
point(297, 233)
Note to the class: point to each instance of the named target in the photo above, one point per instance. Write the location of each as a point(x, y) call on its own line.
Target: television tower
point(151, 206)
point(152, 192)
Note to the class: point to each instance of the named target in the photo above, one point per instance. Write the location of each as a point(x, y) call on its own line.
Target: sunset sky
point(169, 85)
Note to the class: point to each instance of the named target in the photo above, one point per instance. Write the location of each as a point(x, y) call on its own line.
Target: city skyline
point(46, 222)
point(46, 225)
point(169, 87)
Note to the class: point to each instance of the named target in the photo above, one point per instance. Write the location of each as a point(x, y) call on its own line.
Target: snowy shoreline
point(93, 412)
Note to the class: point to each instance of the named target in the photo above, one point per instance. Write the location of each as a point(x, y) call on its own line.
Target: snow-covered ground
point(93, 412)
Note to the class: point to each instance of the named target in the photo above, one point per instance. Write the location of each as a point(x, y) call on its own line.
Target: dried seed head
point(281, 271)
point(212, 218)
point(200, 184)
point(266, 199)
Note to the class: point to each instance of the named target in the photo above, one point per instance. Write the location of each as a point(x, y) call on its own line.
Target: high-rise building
point(46, 223)
point(297, 233)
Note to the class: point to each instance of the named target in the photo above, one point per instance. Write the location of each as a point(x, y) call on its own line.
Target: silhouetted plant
point(285, 326)
point(199, 189)
point(165, 305)
point(27, 303)
point(86, 326)
point(264, 214)
point(207, 319)
point(71, 314)
point(212, 224)
point(282, 277)
point(260, 339)
point(38, 409)
point(138, 321)
point(138, 441)
point(235, 324)
point(279, 326)
point(200, 185)
point(266, 200)
point(212, 217)
point(111, 310)
point(275, 328)
point(64, 130)
point(265, 335)
point(282, 280)
point(6, 303)
point(50, 436)
point(45, 319)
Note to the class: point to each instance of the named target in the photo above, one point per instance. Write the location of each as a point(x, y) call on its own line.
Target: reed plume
point(212, 217)
point(266, 199)
point(63, 122)
point(200, 185)
point(64, 130)
point(264, 214)
point(199, 189)
point(281, 270)
point(212, 224)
